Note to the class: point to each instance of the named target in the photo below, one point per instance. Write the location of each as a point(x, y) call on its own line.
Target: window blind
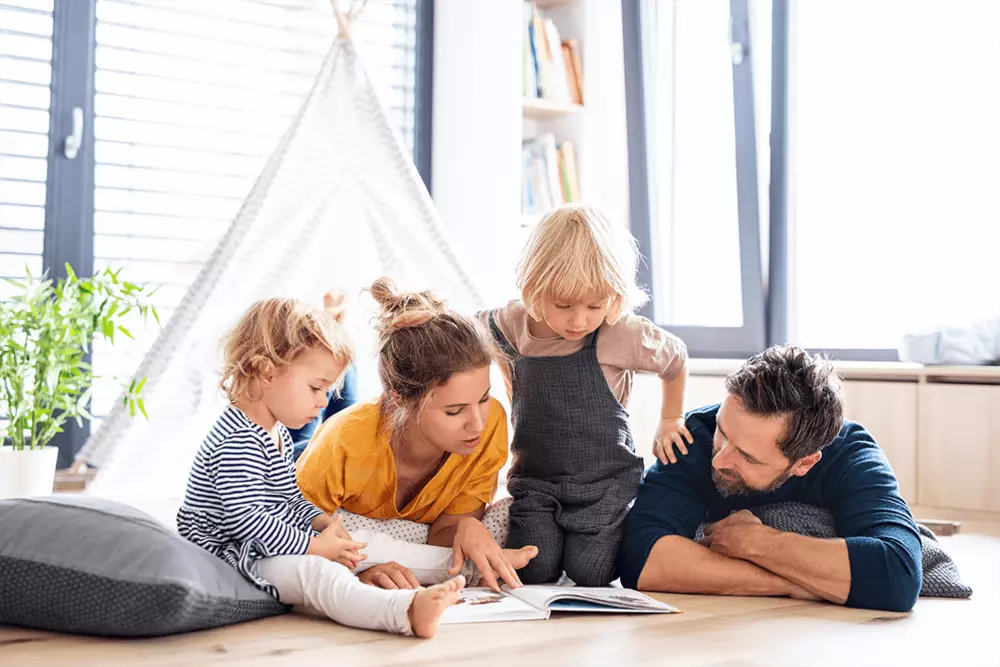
point(190, 100)
point(25, 73)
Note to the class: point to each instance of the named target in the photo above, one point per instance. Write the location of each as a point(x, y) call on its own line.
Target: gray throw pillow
point(94, 566)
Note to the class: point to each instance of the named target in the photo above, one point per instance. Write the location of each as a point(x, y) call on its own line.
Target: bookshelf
point(541, 109)
point(554, 100)
point(481, 122)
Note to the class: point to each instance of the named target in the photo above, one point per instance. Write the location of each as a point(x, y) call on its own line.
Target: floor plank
point(712, 631)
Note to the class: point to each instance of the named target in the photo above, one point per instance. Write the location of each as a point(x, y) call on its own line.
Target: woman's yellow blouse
point(349, 464)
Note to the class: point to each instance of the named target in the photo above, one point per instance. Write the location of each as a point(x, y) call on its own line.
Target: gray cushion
point(94, 566)
point(940, 574)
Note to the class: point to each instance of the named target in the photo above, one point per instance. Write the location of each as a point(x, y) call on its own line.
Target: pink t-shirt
point(631, 344)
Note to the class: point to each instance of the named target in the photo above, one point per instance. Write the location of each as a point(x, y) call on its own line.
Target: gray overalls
point(575, 469)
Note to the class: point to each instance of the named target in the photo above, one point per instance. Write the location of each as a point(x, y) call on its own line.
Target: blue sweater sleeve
point(883, 544)
point(669, 502)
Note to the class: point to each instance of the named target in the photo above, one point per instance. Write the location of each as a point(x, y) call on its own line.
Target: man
point(779, 436)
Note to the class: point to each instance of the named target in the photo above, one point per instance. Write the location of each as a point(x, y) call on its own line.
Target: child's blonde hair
point(576, 250)
point(272, 333)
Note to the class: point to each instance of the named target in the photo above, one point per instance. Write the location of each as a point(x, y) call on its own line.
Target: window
point(696, 138)
point(183, 103)
point(876, 151)
point(895, 146)
point(25, 73)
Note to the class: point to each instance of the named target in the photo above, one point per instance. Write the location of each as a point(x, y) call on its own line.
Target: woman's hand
point(390, 576)
point(474, 542)
point(671, 433)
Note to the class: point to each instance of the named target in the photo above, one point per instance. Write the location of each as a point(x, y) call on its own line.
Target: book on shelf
point(549, 176)
point(536, 603)
point(574, 70)
point(552, 68)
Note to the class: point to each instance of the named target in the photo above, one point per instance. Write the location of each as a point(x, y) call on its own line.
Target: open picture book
point(536, 603)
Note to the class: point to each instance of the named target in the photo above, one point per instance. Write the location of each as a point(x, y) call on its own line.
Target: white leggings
point(318, 586)
point(315, 585)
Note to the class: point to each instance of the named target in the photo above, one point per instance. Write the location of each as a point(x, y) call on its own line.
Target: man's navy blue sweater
point(853, 480)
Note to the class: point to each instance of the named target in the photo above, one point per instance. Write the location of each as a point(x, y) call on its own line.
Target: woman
point(429, 450)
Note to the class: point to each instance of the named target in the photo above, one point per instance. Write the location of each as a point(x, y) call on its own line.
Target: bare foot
point(520, 557)
point(429, 603)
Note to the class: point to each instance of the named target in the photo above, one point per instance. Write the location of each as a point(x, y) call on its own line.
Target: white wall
point(604, 165)
point(476, 149)
point(478, 125)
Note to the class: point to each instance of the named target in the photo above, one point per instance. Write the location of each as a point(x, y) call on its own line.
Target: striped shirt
point(242, 503)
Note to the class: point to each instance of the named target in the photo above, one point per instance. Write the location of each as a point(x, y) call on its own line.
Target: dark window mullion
point(702, 341)
point(69, 199)
point(424, 92)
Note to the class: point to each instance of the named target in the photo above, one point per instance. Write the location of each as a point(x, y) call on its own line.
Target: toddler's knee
point(590, 572)
point(541, 570)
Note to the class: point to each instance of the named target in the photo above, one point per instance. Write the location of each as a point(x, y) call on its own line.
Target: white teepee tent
point(337, 205)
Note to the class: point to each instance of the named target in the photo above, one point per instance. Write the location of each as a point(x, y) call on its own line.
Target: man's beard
point(737, 486)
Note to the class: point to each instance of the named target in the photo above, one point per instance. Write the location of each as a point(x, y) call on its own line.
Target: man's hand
point(390, 576)
point(735, 536)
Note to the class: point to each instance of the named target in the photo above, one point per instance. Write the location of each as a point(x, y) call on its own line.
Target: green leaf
point(142, 408)
point(69, 271)
point(156, 317)
point(47, 328)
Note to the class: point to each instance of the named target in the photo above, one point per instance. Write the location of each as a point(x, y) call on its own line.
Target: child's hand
point(321, 522)
point(671, 433)
point(338, 526)
point(333, 545)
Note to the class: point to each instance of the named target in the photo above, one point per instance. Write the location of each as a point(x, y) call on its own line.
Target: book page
point(607, 599)
point(481, 605)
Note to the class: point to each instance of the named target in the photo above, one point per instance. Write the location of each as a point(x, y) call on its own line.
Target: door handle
point(737, 48)
point(72, 144)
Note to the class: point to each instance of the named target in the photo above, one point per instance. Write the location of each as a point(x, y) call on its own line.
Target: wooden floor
point(713, 631)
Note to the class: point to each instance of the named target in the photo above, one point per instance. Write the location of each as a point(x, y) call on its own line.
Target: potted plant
point(46, 331)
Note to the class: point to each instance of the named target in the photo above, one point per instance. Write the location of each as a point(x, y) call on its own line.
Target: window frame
point(702, 341)
point(69, 198)
point(779, 264)
point(766, 304)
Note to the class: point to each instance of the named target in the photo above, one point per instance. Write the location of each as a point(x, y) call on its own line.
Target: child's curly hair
point(272, 333)
point(576, 250)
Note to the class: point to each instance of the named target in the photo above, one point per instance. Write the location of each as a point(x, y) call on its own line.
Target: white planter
point(28, 472)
